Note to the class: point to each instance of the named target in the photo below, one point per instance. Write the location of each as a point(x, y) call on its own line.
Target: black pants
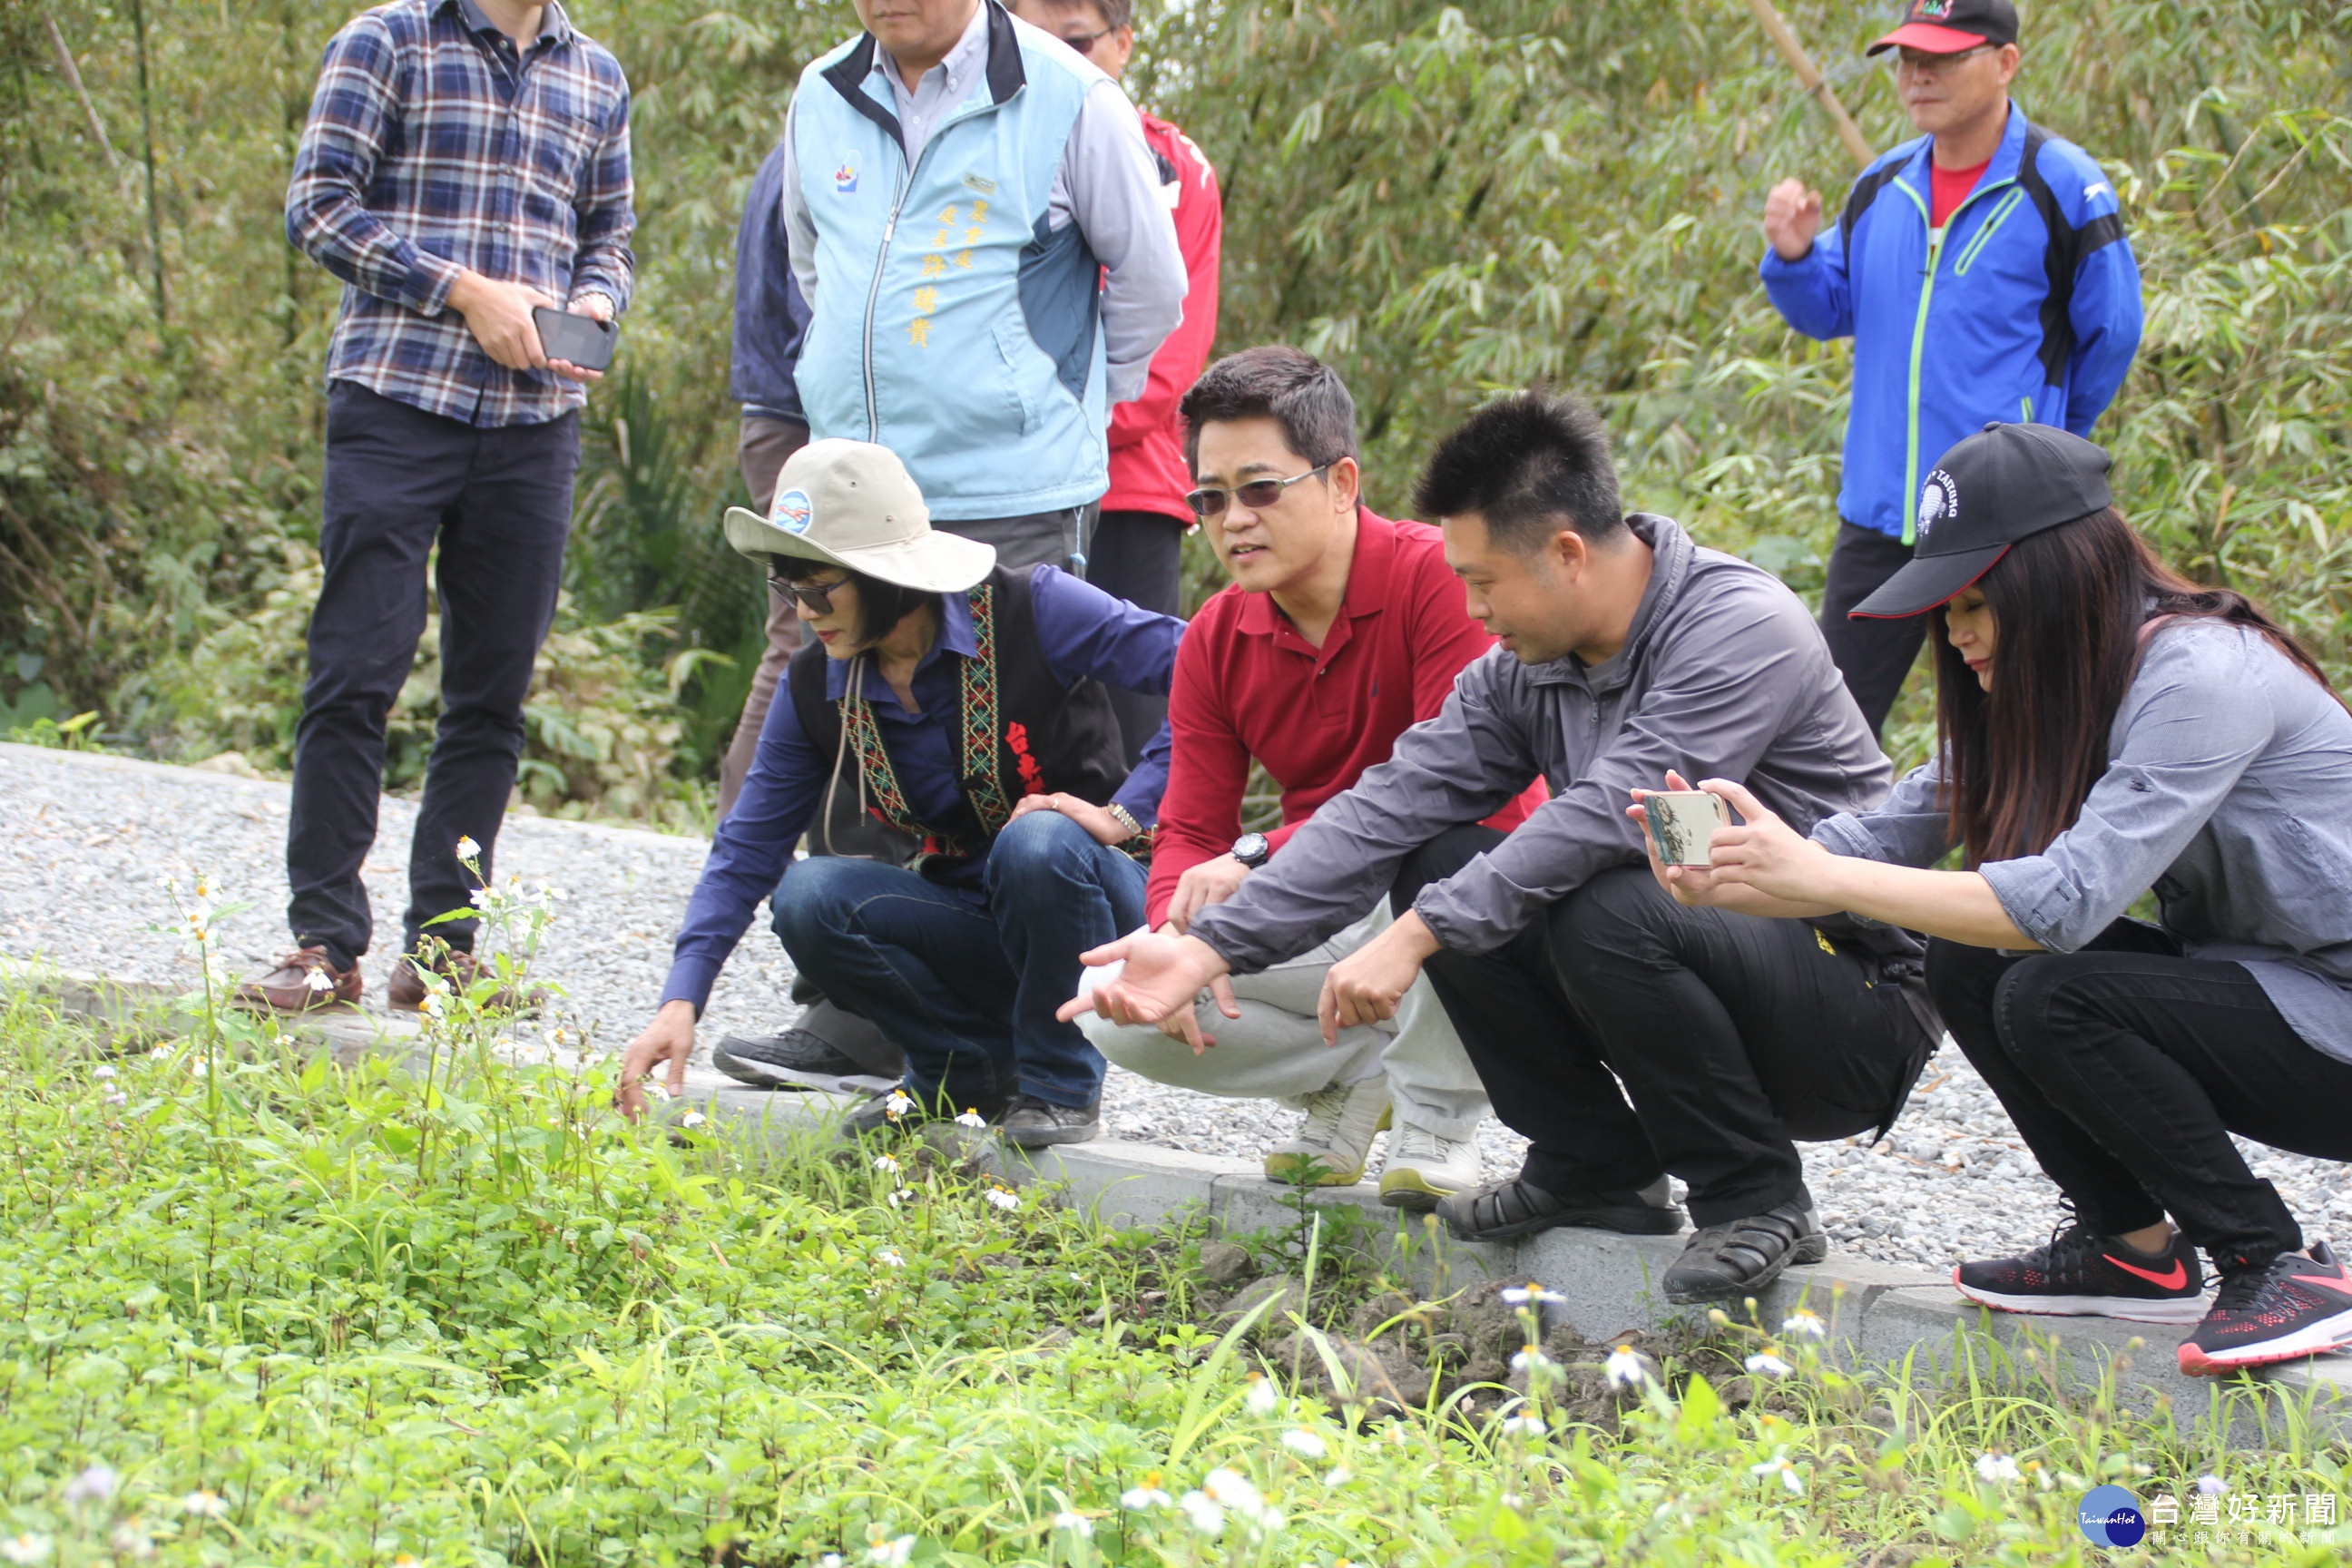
point(499, 504)
point(1138, 556)
point(1874, 657)
point(2127, 1066)
point(1732, 1036)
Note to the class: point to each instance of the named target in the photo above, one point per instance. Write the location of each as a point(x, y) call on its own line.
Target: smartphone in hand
point(582, 339)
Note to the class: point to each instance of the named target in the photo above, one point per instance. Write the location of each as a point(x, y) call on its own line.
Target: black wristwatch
point(1251, 850)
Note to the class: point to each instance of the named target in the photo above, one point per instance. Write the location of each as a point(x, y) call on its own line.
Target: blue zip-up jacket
point(770, 319)
point(2027, 309)
point(963, 329)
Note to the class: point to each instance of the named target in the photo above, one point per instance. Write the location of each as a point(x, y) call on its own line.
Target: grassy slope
point(481, 1323)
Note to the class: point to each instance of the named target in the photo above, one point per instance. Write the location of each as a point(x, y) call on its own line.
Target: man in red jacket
point(1341, 630)
point(1134, 555)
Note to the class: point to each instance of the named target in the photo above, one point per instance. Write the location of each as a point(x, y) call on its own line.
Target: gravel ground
point(95, 838)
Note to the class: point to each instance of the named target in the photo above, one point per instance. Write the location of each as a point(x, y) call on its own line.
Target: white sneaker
point(1423, 1167)
point(1332, 1146)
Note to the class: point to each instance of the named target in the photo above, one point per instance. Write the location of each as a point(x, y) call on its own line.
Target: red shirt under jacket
point(1247, 685)
point(1148, 472)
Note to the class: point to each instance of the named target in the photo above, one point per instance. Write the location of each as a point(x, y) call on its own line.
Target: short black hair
point(1528, 464)
point(1287, 385)
point(880, 605)
point(1117, 13)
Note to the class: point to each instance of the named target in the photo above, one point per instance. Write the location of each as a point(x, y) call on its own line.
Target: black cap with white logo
point(1992, 490)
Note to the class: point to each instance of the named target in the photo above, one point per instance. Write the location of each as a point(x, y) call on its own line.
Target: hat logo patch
point(1938, 500)
point(794, 512)
point(1931, 10)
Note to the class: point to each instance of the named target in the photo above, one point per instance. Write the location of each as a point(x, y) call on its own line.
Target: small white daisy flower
point(1625, 1368)
point(1303, 1443)
point(1205, 1515)
point(1147, 1495)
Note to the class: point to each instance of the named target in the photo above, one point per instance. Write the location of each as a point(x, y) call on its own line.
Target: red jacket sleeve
point(1208, 770)
point(1199, 218)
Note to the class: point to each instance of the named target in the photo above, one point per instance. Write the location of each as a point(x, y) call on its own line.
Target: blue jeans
point(969, 989)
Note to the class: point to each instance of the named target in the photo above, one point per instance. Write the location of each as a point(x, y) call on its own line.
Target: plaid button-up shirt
point(432, 146)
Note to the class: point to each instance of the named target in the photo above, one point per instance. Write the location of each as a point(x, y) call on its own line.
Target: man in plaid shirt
point(465, 161)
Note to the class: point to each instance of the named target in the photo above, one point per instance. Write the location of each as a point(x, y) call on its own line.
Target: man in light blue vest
point(976, 224)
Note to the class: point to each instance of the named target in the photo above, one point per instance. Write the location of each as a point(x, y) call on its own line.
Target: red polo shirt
point(1247, 685)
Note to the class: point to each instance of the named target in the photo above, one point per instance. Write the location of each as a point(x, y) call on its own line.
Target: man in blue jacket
point(977, 226)
point(1983, 272)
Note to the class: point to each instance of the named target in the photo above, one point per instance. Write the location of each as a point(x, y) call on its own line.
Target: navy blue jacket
point(771, 317)
point(2026, 307)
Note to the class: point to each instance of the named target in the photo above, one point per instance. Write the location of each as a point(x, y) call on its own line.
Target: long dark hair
point(2068, 604)
point(880, 605)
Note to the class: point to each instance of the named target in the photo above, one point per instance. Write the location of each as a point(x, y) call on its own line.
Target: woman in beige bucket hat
point(972, 700)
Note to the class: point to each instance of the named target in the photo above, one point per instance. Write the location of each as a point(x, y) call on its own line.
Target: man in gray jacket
point(1625, 653)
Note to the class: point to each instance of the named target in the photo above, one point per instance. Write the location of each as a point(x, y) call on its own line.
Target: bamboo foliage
point(1444, 200)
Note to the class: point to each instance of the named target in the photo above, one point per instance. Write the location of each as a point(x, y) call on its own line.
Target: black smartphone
point(582, 339)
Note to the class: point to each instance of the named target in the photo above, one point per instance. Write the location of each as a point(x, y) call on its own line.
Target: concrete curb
point(1878, 1316)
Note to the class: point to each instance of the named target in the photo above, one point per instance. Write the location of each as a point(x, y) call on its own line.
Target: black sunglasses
point(1085, 42)
point(816, 599)
point(1258, 495)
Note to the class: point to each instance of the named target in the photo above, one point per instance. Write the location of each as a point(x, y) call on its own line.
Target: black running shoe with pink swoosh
point(2297, 1307)
point(2078, 1273)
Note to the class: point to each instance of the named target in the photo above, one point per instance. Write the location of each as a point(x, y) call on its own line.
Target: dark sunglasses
point(817, 600)
point(1085, 42)
point(1258, 495)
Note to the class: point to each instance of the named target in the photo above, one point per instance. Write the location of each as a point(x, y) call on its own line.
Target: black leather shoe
point(1033, 1124)
point(1519, 1207)
point(779, 1061)
point(1725, 1262)
point(904, 1110)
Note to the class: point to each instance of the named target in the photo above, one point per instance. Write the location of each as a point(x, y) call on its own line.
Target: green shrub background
point(1443, 201)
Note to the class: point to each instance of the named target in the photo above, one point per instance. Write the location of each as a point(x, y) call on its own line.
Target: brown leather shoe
point(461, 969)
point(305, 981)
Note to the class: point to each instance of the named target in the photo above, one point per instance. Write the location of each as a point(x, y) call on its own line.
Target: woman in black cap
point(2108, 728)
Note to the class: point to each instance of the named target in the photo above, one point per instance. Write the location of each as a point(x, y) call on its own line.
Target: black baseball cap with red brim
point(2005, 483)
point(1951, 26)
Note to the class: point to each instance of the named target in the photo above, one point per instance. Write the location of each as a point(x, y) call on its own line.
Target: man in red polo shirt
point(1341, 630)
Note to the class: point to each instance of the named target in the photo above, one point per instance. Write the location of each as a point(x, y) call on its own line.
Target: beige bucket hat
point(852, 504)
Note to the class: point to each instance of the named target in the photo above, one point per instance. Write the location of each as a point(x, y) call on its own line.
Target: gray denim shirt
point(1723, 675)
point(2227, 791)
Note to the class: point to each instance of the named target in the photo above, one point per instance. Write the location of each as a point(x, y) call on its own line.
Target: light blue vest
point(950, 325)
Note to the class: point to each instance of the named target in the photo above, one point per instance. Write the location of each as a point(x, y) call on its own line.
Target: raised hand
point(1792, 215)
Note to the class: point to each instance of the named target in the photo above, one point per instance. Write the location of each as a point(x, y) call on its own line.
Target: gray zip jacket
point(1723, 676)
point(2228, 790)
